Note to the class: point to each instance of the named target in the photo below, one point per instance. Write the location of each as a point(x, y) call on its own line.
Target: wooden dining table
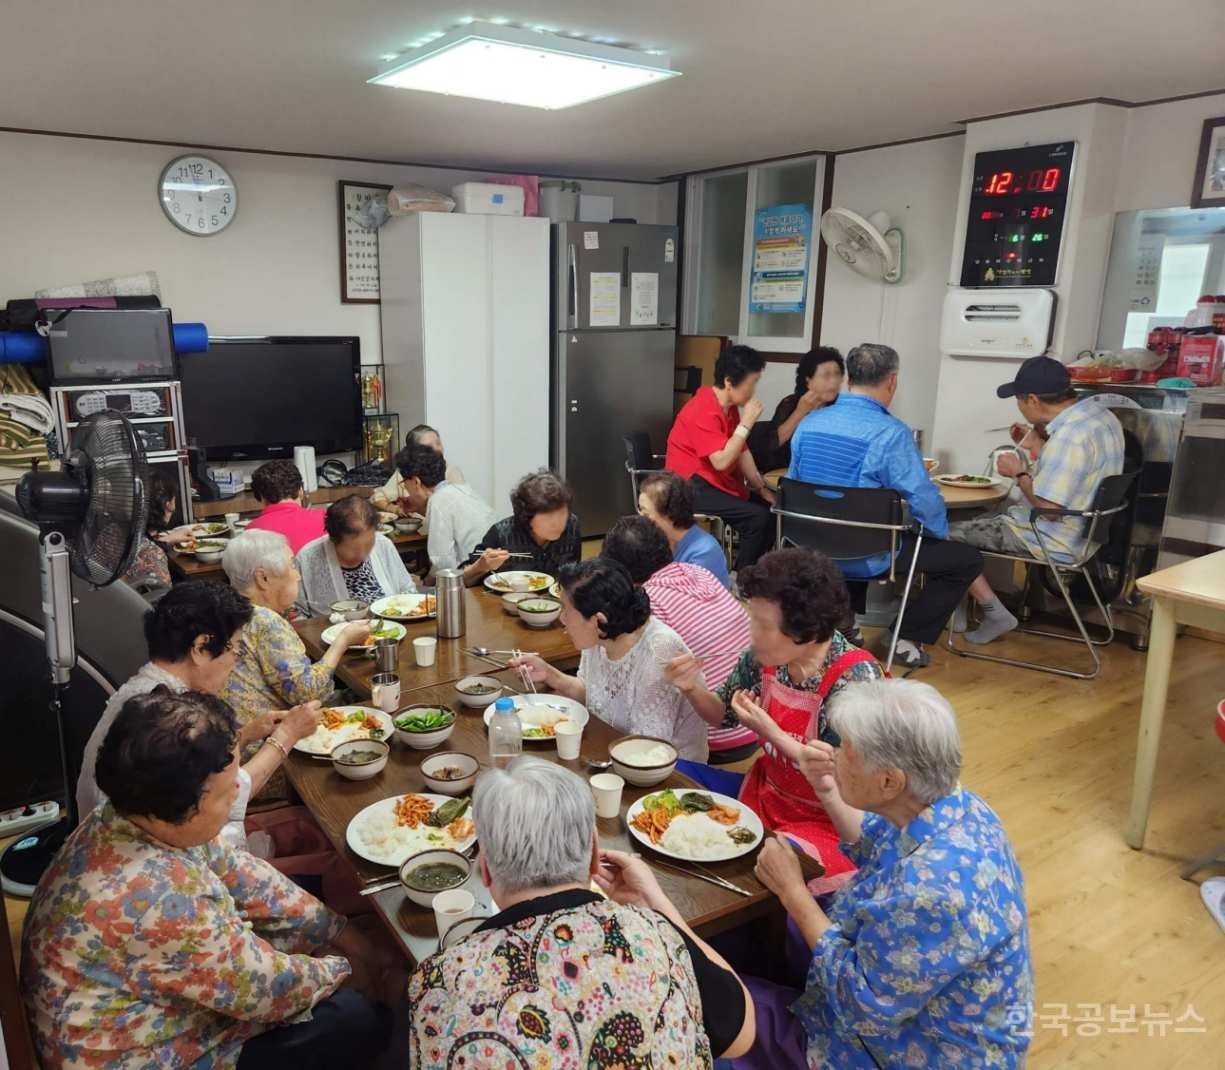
point(335, 801)
point(185, 566)
point(954, 497)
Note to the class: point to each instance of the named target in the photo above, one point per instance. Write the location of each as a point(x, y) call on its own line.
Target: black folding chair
point(642, 460)
point(849, 524)
point(1109, 501)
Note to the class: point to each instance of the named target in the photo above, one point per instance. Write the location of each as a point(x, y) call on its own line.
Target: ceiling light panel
point(525, 67)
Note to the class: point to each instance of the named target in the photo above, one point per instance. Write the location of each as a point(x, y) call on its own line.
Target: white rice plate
point(324, 740)
point(375, 835)
point(696, 836)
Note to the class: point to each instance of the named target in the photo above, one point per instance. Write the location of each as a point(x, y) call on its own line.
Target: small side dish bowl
point(510, 602)
point(344, 758)
point(539, 612)
point(350, 609)
point(408, 525)
point(209, 551)
point(424, 738)
point(452, 761)
point(478, 692)
point(410, 878)
point(643, 761)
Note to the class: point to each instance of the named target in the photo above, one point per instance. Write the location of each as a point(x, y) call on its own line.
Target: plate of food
point(694, 826)
point(202, 545)
point(408, 606)
point(539, 715)
point(505, 582)
point(391, 830)
point(555, 589)
point(963, 480)
point(340, 724)
point(383, 629)
point(385, 529)
point(209, 530)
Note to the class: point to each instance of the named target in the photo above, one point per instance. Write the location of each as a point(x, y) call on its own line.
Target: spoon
point(597, 764)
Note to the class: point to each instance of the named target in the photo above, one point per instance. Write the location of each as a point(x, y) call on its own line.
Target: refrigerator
point(613, 355)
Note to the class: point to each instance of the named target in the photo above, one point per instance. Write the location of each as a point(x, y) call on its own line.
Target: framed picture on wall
point(1209, 189)
point(359, 243)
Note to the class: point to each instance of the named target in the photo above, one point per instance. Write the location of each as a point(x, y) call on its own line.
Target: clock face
point(198, 195)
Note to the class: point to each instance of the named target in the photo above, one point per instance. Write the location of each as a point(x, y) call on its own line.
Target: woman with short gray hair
point(568, 974)
point(924, 955)
point(273, 670)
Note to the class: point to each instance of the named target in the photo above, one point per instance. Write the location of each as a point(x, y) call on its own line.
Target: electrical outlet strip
point(27, 818)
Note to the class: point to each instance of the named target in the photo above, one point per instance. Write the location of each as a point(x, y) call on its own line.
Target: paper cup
point(569, 736)
point(232, 518)
point(385, 691)
point(425, 648)
point(452, 906)
point(607, 788)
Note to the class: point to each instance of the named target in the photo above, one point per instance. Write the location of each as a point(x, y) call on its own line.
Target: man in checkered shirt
point(1084, 445)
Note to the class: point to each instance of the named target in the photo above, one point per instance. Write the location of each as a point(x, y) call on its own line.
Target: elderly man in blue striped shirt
point(856, 442)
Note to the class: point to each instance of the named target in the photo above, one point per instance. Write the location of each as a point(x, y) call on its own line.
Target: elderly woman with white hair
point(273, 670)
point(923, 958)
point(564, 975)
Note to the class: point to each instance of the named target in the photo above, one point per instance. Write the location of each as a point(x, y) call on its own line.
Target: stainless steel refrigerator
point(614, 342)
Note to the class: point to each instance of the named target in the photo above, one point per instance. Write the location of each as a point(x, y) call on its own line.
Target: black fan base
point(26, 860)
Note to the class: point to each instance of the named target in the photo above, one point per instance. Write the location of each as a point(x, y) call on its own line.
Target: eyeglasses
point(230, 648)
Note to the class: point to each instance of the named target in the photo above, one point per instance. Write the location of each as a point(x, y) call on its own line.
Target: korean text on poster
point(782, 236)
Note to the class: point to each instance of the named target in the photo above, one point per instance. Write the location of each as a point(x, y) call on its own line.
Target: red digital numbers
point(1040, 180)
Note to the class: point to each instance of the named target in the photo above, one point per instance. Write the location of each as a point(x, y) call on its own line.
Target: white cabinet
point(465, 317)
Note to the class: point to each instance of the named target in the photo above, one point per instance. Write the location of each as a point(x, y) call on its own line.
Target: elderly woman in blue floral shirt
point(923, 959)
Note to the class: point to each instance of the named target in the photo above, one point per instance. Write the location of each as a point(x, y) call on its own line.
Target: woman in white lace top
point(624, 650)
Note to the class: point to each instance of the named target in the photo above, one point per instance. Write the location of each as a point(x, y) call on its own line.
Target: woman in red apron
point(779, 689)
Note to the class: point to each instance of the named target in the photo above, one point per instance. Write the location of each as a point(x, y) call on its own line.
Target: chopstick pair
point(701, 874)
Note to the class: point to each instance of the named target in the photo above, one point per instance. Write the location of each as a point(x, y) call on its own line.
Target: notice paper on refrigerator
point(644, 298)
point(605, 299)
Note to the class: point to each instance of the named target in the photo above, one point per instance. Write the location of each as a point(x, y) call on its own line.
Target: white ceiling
point(761, 78)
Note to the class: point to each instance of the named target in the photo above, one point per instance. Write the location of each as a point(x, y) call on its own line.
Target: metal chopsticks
point(701, 874)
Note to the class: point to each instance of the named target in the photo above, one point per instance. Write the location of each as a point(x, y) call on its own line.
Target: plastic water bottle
point(505, 733)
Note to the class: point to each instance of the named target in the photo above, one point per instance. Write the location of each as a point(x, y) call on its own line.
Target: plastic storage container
point(559, 199)
point(505, 733)
point(487, 198)
point(1201, 358)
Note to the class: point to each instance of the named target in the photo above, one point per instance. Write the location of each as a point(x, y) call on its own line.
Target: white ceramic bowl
point(454, 759)
point(540, 617)
point(427, 740)
point(209, 551)
point(510, 602)
point(366, 770)
point(479, 702)
point(408, 525)
point(626, 755)
point(351, 609)
point(419, 896)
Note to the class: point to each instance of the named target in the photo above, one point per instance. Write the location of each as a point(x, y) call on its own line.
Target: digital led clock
point(1014, 227)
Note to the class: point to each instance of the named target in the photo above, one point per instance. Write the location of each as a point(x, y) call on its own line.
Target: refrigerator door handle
point(573, 290)
point(625, 267)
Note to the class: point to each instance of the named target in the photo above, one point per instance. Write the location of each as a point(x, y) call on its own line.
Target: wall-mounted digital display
point(1017, 206)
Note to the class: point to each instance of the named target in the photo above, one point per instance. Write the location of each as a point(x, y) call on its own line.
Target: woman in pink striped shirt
point(694, 604)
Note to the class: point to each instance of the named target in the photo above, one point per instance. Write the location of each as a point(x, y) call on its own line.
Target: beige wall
point(73, 209)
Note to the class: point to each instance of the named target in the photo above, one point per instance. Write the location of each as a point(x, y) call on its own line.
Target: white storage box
point(595, 208)
point(488, 198)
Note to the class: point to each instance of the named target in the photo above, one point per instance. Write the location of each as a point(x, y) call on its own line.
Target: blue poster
point(781, 239)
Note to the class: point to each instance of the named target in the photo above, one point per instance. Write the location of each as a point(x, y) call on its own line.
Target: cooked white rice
point(696, 836)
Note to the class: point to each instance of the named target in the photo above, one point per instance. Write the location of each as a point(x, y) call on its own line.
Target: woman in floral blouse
point(273, 669)
point(148, 942)
point(566, 975)
point(923, 958)
point(779, 689)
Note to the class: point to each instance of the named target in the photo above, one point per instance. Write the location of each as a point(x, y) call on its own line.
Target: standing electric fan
point(90, 516)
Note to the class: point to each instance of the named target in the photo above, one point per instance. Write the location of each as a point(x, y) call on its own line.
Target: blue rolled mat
point(26, 347)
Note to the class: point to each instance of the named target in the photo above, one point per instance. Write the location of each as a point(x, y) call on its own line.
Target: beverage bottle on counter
point(505, 733)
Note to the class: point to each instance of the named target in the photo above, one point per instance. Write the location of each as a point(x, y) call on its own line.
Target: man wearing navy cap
point(1085, 444)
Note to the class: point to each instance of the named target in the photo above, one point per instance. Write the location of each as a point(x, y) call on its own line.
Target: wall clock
point(198, 195)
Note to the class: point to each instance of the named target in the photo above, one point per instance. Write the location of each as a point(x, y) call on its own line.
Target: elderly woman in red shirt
point(707, 446)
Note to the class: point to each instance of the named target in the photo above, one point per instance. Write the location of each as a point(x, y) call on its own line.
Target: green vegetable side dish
point(691, 802)
point(740, 834)
point(424, 720)
point(360, 757)
point(448, 812)
point(383, 630)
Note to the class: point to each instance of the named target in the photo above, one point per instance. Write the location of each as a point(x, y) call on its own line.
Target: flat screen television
point(249, 398)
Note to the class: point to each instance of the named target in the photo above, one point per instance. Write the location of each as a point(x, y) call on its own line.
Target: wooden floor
point(1111, 927)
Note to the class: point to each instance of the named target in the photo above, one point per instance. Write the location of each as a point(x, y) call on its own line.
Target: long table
point(334, 801)
point(187, 567)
